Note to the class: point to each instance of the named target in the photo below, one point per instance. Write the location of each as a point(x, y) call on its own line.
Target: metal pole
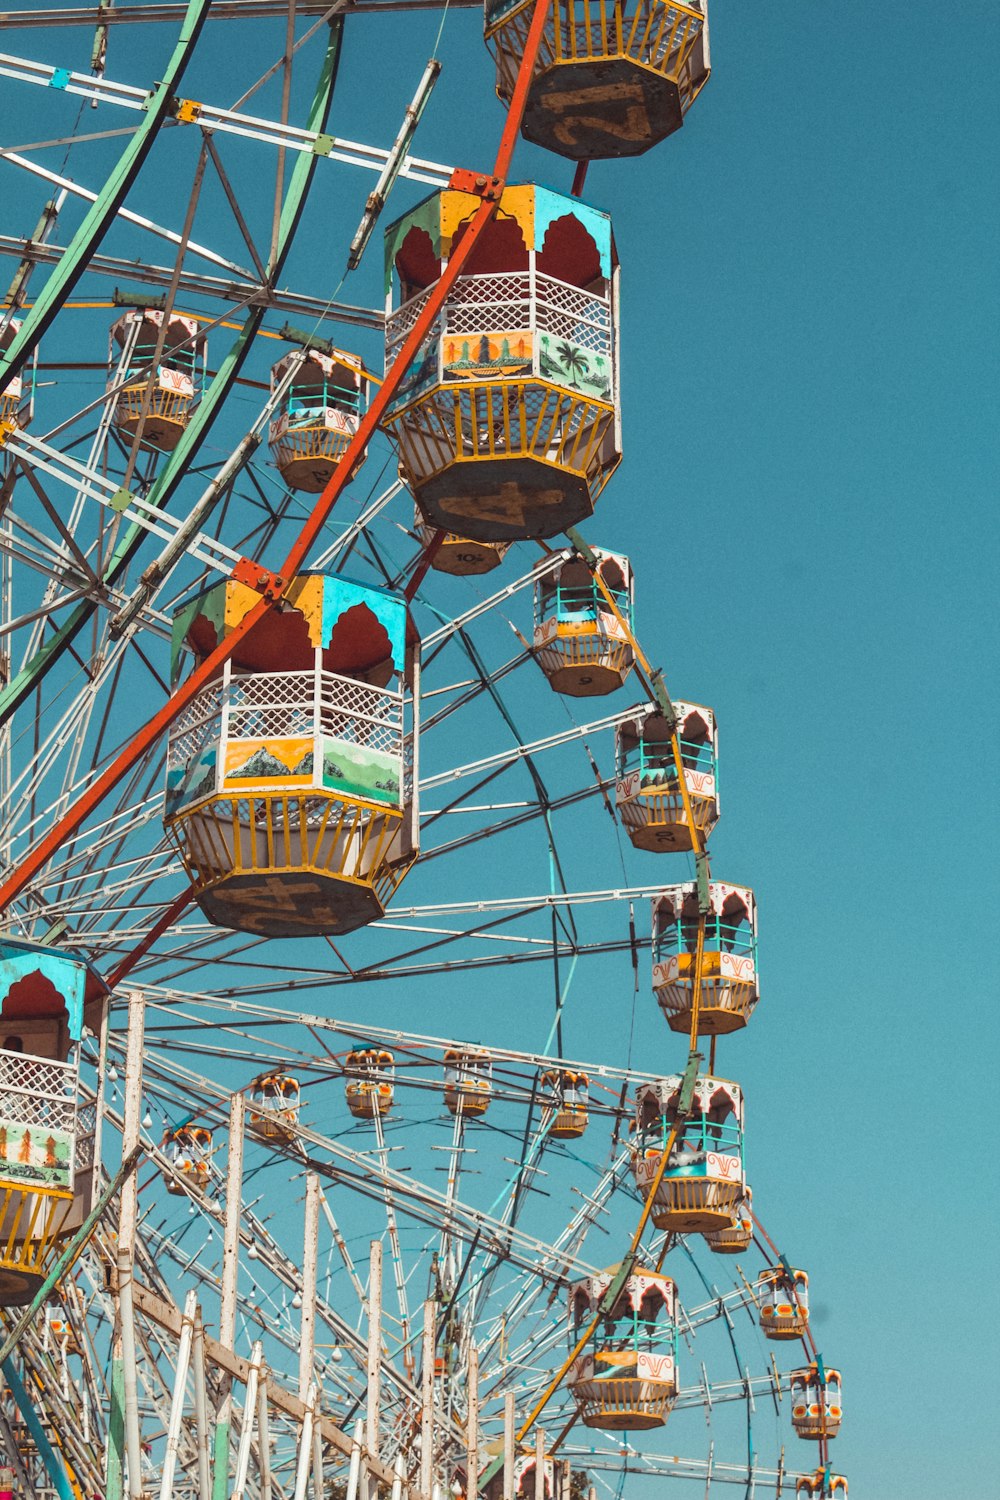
point(427, 1400)
point(204, 1437)
point(307, 1326)
point(394, 162)
point(539, 1464)
point(246, 1431)
point(227, 1306)
point(305, 1447)
point(124, 1423)
point(177, 1399)
point(263, 1439)
point(133, 1442)
point(318, 1487)
point(472, 1429)
point(374, 1347)
point(398, 1478)
point(354, 1472)
point(508, 1446)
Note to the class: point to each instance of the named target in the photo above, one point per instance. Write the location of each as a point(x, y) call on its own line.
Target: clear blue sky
point(809, 391)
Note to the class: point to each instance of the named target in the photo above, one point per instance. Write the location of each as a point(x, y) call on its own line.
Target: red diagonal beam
point(428, 555)
point(272, 585)
point(125, 965)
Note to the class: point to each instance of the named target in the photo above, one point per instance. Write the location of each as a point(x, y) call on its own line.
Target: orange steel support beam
point(272, 585)
point(430, 552)
point(578, 1348)
point(808, 1340)
point(125, 965)
point(807, 1337)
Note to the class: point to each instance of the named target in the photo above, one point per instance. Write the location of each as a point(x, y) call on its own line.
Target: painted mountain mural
point(370, 774)
point(187, 783)
point(282, 760)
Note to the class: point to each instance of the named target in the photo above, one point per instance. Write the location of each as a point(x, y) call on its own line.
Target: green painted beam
point(68, 1254)
point(53, 1467)
point(23, 684)
point(71, 266)
point(114, 1487)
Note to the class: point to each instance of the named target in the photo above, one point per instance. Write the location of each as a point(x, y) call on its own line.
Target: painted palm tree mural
point(572, 366)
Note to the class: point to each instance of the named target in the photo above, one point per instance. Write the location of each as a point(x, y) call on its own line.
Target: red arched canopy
point(569, 253)
point(358, 643)
point(33, 998)
point(499, 248)
point(278, 643)
point(417, 263)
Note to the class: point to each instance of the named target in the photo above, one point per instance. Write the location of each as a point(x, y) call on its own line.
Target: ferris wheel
point(300, 641)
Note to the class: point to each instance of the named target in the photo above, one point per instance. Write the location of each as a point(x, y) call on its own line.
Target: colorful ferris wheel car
point(566, 1092)
point(817, 1405)
point(626, 1379)
point(611, 78)
point(703, 1181)
point(320, 411)
point(581, 642)
point(156, 369)
point(821, 1486)
point(290, 789)
point(507, 422)
point(460, 555)
point(274, 1106)
point(188, 1150)
point(47, 1122)
point(369, 1091)
point(739, 1235)
point(468, 1080)
point(783, 1298)
point(648, 793)
point(729, 987)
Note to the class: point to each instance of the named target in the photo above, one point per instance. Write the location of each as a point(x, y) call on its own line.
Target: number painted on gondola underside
point(627, 120)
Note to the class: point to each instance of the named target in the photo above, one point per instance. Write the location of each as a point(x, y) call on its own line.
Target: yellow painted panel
point(266, 757)
point(305, 593)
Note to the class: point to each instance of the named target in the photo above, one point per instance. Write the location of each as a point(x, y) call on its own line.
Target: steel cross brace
point(488, 189)
point(661, 699)
point(25, 681)
point(103, 211)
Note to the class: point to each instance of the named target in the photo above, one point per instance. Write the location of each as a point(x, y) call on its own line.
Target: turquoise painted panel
point(67, 975)
point(340, 595)
point(575, 368)
point(550, 206)
point(195, 779)
point(422, 372)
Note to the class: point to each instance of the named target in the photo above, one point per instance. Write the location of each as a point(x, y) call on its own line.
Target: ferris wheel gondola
point(311, 765)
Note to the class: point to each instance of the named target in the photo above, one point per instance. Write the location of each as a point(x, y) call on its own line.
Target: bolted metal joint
point(255, 576)
point(487, 188)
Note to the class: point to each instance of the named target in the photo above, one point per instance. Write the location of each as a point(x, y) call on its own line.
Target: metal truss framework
point(293, 1389)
